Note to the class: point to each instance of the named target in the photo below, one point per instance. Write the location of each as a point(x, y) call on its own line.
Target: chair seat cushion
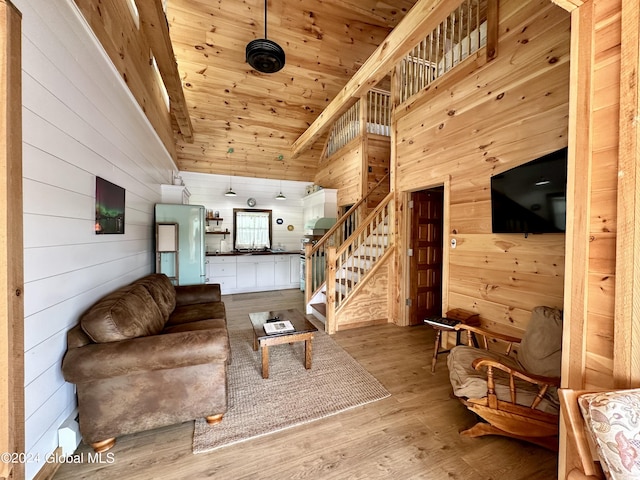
point(468, 382)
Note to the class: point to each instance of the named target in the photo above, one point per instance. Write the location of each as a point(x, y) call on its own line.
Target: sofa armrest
point(192, 294)
point(157, 352)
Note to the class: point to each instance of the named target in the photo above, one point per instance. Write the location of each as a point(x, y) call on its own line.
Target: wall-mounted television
point(531, 198)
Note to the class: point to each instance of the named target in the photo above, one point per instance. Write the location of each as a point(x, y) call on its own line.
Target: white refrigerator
point(190, 246)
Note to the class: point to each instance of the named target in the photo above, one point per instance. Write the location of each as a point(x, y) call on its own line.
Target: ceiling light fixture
point(264, 55)
point(280, 195)
point(230, 192)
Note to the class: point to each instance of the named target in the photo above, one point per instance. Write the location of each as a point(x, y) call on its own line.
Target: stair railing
point(315, 271)
point(348, 264)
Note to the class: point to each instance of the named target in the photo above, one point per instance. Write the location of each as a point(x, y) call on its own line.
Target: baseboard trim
point(51, 467)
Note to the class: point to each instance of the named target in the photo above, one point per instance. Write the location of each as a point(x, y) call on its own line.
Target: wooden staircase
point(347, 266)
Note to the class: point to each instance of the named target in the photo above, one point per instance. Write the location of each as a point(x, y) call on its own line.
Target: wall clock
point(251, 202)
point(279, 221)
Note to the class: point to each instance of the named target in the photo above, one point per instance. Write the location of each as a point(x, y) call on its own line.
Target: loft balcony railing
point(378, 112)
point(375, 108)
point(457, 37)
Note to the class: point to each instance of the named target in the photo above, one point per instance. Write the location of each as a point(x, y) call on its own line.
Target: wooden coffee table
point(304, 331)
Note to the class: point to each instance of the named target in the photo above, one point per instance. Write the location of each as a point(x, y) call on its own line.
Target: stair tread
point(320, 307)
point(355, 269)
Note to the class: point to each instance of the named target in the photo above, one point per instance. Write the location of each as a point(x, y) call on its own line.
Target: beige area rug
point(291, 395)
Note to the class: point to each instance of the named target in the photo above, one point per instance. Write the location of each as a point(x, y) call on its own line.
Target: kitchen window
point(251, 229)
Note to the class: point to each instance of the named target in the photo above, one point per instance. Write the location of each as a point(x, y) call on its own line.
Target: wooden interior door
point(425, 269)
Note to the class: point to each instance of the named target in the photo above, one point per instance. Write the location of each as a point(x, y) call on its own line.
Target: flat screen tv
point(531, 198)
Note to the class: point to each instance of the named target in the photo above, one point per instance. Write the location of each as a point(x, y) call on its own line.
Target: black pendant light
point(265, 55)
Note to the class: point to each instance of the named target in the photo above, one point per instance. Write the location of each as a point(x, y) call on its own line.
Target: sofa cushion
point(129, 312)
point(216, 324)
point(540, 351)
point(162, 291)
point(77, 338)
point(470, 383)
point(196, 312)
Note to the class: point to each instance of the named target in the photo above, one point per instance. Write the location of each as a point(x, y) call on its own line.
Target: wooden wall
point(344, 172)
point(356, 168)
point(378, 150)
point(130, 52)
point(498, 116)
point(589, 342)
point(602, 166)
point(600, 349)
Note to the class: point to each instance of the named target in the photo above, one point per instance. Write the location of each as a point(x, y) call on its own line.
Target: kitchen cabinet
point(222, 270)
point(282, 270)
point(175, 194)
point(253, 273)
point(265, 272)
point(320, 204)
point(246, 275)
point(294, 270)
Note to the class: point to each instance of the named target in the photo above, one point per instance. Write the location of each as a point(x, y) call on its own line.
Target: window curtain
point(252, 230)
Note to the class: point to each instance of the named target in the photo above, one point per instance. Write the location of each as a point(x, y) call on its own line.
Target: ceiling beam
point(156, 29)
point(416, 25)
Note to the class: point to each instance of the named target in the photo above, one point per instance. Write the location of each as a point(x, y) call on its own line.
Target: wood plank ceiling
point(260, 115)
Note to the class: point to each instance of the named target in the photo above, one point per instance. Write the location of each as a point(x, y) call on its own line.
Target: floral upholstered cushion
point(613, 419)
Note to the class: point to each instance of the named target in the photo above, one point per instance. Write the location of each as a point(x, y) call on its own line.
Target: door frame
point(405, 214)
point(412, 260)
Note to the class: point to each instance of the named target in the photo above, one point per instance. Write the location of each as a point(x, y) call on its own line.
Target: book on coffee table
point(273, 328)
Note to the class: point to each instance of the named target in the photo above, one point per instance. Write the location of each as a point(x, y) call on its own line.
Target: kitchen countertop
point(242, 254)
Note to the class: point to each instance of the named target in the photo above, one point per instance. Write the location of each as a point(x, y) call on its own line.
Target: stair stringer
point(370, 303)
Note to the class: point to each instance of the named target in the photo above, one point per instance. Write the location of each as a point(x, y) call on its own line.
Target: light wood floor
point(411, 434)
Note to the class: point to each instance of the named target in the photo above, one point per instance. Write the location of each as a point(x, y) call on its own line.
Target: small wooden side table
point(461, 316)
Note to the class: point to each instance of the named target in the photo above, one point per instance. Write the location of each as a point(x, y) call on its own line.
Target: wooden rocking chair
point(515, 393)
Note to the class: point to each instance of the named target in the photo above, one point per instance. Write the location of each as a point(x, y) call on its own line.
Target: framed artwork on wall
point(109, 207)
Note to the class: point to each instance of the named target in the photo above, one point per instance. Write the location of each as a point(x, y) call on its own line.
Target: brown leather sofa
point(148, 355)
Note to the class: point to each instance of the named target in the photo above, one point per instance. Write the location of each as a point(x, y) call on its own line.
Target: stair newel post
point(308, 274)
point(331, 257)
